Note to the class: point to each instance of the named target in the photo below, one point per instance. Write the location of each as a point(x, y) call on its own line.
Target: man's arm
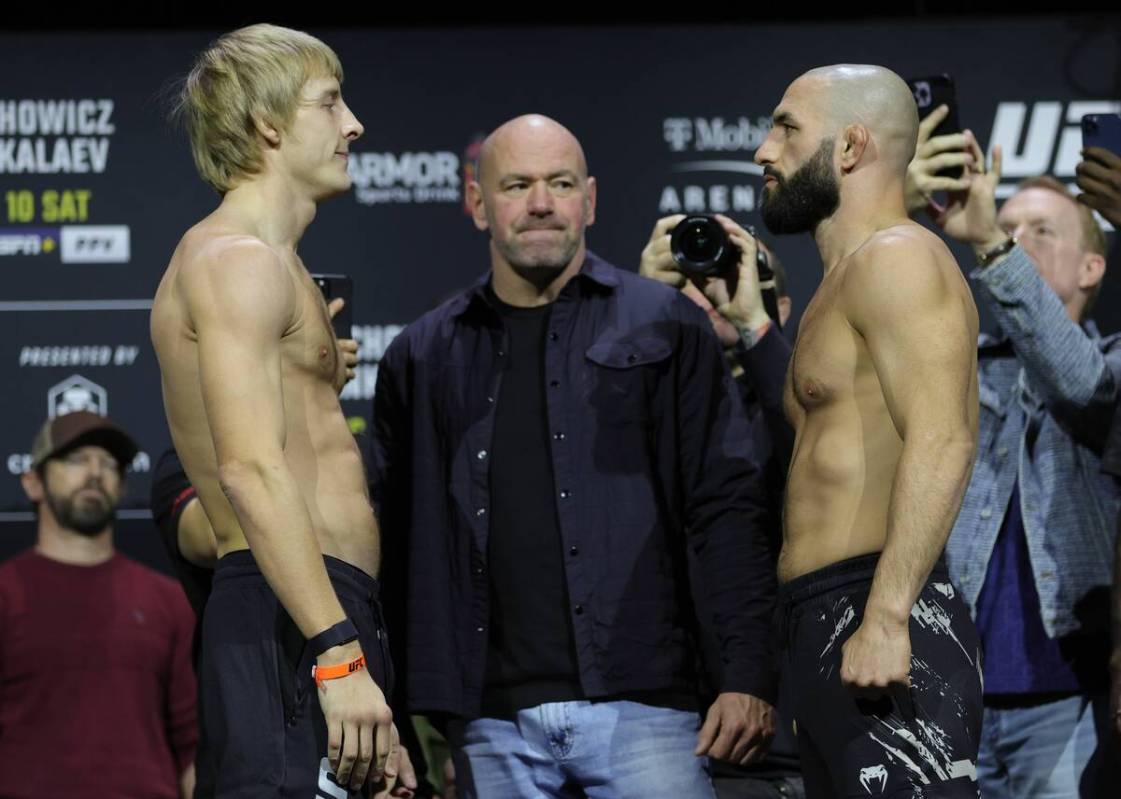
point(726, 513)
point(241, 301)
point(1063, 364)
point(1076, 380)
point(920, 330)
point(390, 494)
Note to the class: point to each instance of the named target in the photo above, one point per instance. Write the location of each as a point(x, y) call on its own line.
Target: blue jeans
point(602, 750)
point(1045, 751)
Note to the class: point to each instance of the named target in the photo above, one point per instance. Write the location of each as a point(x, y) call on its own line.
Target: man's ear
point(854, 141)
point(266, 130)
point(33, 486)
point(1092, 271)
point(475, 203)
point(590, 203)
point(784, 309)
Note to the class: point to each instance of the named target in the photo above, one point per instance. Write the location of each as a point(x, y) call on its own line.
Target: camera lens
point(701, 247)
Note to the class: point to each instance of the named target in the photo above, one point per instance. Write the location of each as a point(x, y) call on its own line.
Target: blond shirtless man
point(251, 370)
point(882, 393)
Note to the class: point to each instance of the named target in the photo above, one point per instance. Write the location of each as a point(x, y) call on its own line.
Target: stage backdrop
point(96, 186)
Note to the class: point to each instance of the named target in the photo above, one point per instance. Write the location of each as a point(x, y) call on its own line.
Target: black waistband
point(240, 567)
point(851, 571)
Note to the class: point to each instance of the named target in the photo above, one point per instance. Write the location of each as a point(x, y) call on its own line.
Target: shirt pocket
point(625, 375)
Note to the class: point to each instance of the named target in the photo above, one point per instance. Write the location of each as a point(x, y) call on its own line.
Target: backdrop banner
point(97, 186)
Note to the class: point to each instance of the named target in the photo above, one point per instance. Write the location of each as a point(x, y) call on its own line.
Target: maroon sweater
point(97, 693)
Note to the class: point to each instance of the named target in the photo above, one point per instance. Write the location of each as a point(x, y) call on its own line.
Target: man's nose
point(352, 128)
point(540, 201)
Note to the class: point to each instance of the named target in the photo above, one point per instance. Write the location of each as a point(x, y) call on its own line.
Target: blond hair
point(245, 75)
point(1092, 235)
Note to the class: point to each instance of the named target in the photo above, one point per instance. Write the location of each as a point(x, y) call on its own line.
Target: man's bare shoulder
point(902, 259)
point(225, 276)
point(212, 253)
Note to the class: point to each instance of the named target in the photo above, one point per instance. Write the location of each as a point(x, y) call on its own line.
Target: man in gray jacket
point(1033, 545)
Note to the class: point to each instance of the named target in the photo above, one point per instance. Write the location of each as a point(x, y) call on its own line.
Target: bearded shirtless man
point(882, 393)
point(251, 371)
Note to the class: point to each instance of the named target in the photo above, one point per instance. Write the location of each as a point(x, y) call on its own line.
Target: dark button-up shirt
point(650, 452)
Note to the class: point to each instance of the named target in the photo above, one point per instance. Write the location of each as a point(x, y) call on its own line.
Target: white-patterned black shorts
point(917, 743)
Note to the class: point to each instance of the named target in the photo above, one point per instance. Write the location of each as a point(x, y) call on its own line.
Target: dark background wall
point(96, 187)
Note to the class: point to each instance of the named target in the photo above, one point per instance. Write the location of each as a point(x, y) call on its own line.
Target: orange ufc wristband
point(322, 673)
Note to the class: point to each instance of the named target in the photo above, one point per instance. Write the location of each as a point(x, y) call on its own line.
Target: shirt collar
point(594, 270)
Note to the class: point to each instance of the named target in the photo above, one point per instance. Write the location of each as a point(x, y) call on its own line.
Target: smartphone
point(931, 92)
point(1102, 130)
point(334, 286)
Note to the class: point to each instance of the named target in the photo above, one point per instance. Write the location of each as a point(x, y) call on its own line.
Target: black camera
point(701, 247)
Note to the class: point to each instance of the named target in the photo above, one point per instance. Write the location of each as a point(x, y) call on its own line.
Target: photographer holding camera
point(702, 256)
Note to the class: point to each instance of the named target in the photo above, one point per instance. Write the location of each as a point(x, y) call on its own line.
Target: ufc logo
point(1046, 140)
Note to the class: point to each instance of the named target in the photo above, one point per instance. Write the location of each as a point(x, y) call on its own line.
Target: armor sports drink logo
point(702, 185)
point(77, 393)
point(403, 178)
point(1041, 138)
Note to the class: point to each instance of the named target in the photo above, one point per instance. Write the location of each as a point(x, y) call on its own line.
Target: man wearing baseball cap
point(97, 695)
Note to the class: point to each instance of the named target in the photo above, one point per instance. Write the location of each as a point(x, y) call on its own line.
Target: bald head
point(532, 133)
point(534, 196)
point(872, 96)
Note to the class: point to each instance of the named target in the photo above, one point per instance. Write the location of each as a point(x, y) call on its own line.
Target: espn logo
point(95, 244)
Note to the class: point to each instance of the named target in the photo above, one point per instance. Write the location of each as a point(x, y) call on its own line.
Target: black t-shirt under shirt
point(532, 653)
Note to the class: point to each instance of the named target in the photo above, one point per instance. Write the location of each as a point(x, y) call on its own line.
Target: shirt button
point(481, 454)
point(481, 512)
point(479, 570)
point(490, 399)
point(554, 384)
point(986, 513)
point(565, 493)
point(1002, 452)
point(1047, 575)
point(502, 353)
point(558, 436)
point(578, 610)
point(573, 551)
point(479, 629)
point(553, 336)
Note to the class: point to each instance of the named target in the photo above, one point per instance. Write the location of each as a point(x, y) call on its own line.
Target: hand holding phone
point(338, 287)
point(1099, 173)
point(931, 93)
